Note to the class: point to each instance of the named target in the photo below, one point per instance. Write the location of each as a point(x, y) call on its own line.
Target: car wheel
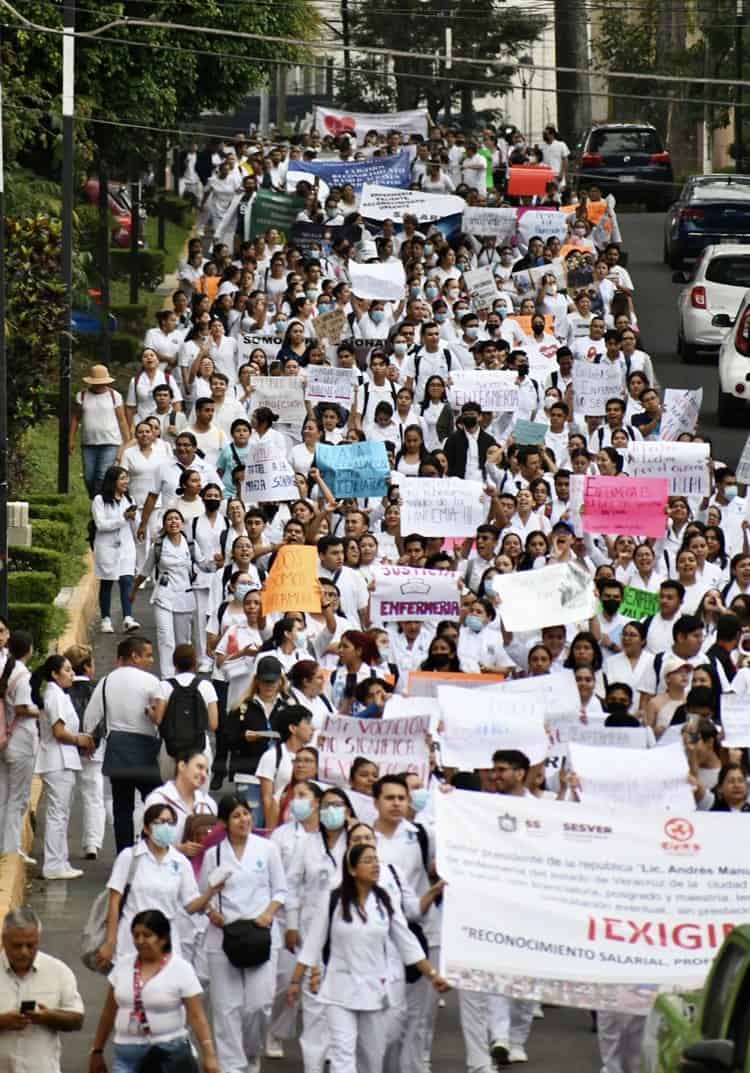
point(675, 260)
point(732, 411)
point(688, 351)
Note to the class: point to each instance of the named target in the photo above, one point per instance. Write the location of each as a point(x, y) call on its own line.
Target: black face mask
point(211, 505)
point(470, 421)
point(610, 606)
point(523, 369)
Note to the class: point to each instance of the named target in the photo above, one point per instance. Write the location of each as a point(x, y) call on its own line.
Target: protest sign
point(536, 892)
point(272, 208)
point(292, 582)
point(331, 121)
point(638, 603)
point(353, 470)
point(395, 745)
point(380, 203)
point(735, 719)
point(285, 395)
point(681, 411)
point(558, 693)
point(310, 238)
point(593, 385)
point(542, 223)
point(525, 431)
point(579, 270)
point(470, 733)
point(602, 737)
point(268, 476)
point(480, 283)
point(409, 592)
point(426, 683)
point(378, 282)
point(496, 391)
point(499, 224)
point(449, 507)
point(743, 466)
point(685, 465)
point(332, 327)
point(617, 504)
point(555, 268)
point(524, 322)
point(657, 780)
point(267, 341)
point(326, 384)
point(529, 180)
point(552, 596)
point(384, 170)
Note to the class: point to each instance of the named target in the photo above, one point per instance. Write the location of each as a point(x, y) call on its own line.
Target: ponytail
point(20, 645)
point(51, 665)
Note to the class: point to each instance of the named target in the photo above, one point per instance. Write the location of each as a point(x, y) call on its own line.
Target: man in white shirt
point(555, 154)
point(226, 411)
point(432, 358)
point(165, 340)
point(687, 644)
point(274, 770)
point(167, 476)
point(659, 633)
point(223, 351)
point(619, 275)
point(353, 591)
point(209, 437)
point(591, 347)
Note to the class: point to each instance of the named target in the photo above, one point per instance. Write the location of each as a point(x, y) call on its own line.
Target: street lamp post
point(526, 75)
point(66, 338)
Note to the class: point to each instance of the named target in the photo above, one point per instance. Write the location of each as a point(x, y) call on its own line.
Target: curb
point(81, 608)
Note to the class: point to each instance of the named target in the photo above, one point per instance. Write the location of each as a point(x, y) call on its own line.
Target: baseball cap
point(268, 669)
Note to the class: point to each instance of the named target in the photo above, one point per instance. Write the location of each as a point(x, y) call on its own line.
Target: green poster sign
point(638, 604)
point(273, 209)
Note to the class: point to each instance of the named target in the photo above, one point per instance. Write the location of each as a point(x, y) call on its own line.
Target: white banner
point(412, 593)
point(495, 390)
point(499, 224)
point(743, 466)
point(552, 596)
point(735, 719)
point(285, 395)
point(329, 384)
point(482, 288)
point(330, 121)
point(471, 732)
point(449, 507)
point(564, 731)
point(593, 385)
point(544, 223)
point(659, 779)
point(393, 744)
point(378, 282)
point(389, 203)
point(268, 476)
point(684, 464)
point(681, 412)
point(558, 693)
point(590, 907)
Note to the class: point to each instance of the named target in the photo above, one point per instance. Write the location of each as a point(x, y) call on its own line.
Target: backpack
point(185, 720)
point(95, 929)
point(418, 359)
point(159, 544)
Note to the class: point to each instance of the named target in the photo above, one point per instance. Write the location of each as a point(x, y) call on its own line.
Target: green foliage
point(126, 349)
point(43, 560)
point(49, 534)
point(178, 210)
point(151, 267)
point(53, 512)
point(38, 619)
point(130, 318)
point(32, 586)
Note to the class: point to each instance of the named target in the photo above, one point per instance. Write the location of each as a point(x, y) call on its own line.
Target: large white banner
point(684, 464)
point(499, 224)
point(592, 907)
point(471, 732)
point(412, 593)
point(393, 744)
point(552, 596)
point(450, 507)
point(388, 203)
point(494, 389)
point(331, 121)
point(378, 282)
point(657, 780)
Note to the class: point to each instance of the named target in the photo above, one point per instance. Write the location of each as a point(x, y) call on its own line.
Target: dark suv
point(625, 159)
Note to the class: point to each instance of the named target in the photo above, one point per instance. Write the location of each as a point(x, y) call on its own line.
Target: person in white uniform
point(253, 889)
point(350, 936)
point(208, 531)
point(142, 459)
point(18, 758)
point(58, 761)
point(114, 512)
point(90, 781)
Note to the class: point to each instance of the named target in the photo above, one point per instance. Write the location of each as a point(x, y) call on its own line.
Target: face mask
point(610, 606)
point(385, 650)
point(428, 248)
point(462, 266)
point(241, 592)
point(164, 834)
point(460, 311)
point(280, 326)
point(470, 421)
point(301, 808)
point(538, 327)
point(332, 817)
point(377, 316)
point(523, 369)
point(300, 639)
point(415, 291)
point(330, 213)
point(472, 332)
point(730, 492)
point(325, 307)
point(419, 798)
point(311, 293)
point(399, 349)
point(440, 318)
point(431, 292)
point(211, 505)
point(473, 623)
point(452, 295)
point(551, 288)
point(549, 401)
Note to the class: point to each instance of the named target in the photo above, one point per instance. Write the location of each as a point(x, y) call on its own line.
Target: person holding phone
point(113, 514)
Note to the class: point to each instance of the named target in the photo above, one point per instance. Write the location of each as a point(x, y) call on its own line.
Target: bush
point(131, 318)
point(178, 210)
point(37, 619)
point(36, 559)
point(150, 267)
point(52, 535)
point(53, 512)
point(125, 349)
point(32, 586)
point(48, 499)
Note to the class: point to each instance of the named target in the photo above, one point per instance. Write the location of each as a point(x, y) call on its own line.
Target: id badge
point(136, 1026)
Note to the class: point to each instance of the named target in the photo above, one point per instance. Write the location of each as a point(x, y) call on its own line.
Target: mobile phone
point(28, 1005)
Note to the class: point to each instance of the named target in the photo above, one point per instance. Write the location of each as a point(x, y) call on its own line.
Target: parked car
point(734, 365)
point(121, 208)
point(707, 1030)
point(628, 160)
point(710, 209)
point(716, 285)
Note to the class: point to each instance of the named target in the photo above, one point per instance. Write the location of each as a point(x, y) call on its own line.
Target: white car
point(716, 285)
point(734, 365)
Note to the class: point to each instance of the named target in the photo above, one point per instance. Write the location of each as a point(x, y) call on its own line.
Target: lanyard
point(139, 1010)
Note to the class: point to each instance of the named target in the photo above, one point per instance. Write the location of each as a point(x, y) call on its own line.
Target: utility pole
point(572, 50)
point(66, 338)
point(3, 387)
point(281, 76)
point(739, 146)
point(104, 240)
point(346, 37)
point(135, 226)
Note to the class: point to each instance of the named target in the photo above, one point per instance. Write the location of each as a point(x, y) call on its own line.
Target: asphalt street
point(563, 1041)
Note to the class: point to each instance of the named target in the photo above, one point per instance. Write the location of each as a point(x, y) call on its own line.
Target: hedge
point(53, 512)
point(150, 267)
point(178, 210)
point(48, 499)
point(124, 349)
point(130, 317)
point(37, 619)
point(41, 559)
point(32, 586)
point(49, 534)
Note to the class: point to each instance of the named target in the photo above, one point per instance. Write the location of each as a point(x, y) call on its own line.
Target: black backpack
point(185, 721)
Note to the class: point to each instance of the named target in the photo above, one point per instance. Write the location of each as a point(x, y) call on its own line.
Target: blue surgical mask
point(419, 798)
point(415, 291)
point(333, 817)
point(440, 318)
point(324, 307)
point(474, 623)
point(730, 491)
point(311, 293)
point(431, 292)
point(377, 316)
point(280, 326)
point(399, 349)
point(300, 639)
point(428, 249)
point(472, 332)
point(164, 834)
point(241, 591)
point(301, 808)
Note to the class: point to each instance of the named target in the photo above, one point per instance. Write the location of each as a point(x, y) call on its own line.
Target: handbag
point(95, 929)
point(245, 943)
point(160, 1060)
point(132, 756)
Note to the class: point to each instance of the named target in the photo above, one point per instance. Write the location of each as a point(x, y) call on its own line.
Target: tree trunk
point(104, 241)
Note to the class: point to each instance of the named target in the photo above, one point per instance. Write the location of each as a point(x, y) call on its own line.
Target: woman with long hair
point(358, 654)
point(18, 758)
point(113, 514)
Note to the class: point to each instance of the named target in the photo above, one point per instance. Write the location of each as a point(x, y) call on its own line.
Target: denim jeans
point(127, 1056)
point(105, 595)
point(97, 458)
point(250, 792)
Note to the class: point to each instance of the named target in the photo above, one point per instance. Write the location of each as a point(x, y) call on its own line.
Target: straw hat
point(98, 375)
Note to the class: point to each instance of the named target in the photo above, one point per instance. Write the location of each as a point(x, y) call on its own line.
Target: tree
point(481, 29)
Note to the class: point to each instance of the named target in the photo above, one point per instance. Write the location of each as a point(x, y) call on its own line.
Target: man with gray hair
point(38, 999)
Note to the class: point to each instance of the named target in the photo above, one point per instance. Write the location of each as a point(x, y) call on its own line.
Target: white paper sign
point(684, 464)
point(558, 693)
point(593, 385)
point(285, 395)
point(544, 223)
point(471, 732)
point(329, 384)
point(657, 780)
point(480, 283)
point(412, 593)
point(563, 732)
point(378, 282)
point(499, 224)
point(743, 466)
point(448, 507)
point(552, 596)
point(496, 391)
point(393, 744)
point(735, 719)
point(389, 203)
point(681, 412)
point(268, 476)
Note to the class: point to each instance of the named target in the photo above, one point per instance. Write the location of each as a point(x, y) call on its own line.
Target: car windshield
point(732, 271)
point(625, 141)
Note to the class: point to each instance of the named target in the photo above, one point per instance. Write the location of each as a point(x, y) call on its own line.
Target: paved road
point(563, 1041)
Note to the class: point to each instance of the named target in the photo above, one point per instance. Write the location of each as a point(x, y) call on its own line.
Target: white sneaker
point(67, 873)
point(518, 1054)
point(106, 626)
point(129, 624)
point(25, 857)
point(500, 1052)
point(274, 1047)
point(205, 667)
